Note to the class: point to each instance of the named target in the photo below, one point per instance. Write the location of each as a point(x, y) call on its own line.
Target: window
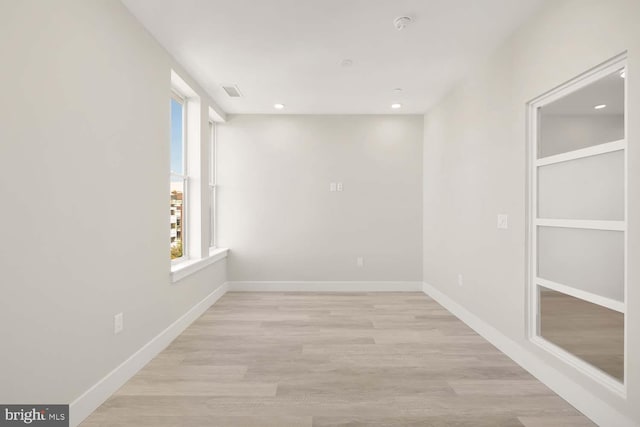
point(178, 179)
point(212, 185)
point(192, 174)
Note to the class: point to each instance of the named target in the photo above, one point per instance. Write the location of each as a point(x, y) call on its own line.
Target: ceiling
point(608, 91)
point(290, 51)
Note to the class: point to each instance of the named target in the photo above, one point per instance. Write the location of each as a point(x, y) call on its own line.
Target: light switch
point(118, 323)
point(503, 221)
point(332, 186)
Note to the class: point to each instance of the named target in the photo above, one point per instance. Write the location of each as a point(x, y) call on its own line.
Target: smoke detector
point(401, 22)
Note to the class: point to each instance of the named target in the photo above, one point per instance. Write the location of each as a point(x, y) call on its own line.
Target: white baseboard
point(311, 286)
point(598, 411)
point(90, 400)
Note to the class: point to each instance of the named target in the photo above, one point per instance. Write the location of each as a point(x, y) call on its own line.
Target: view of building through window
point(178, 178)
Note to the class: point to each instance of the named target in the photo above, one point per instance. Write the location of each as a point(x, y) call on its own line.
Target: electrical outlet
point(339, 186)
point(118, 323)
point(360, 261)
point(460, 280)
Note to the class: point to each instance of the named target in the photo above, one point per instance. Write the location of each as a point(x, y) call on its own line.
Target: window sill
point(187, 268)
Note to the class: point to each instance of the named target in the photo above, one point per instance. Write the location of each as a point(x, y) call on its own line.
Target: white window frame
point(197, 254)
point(533, 222)
point(213, 169)
point(184, 177)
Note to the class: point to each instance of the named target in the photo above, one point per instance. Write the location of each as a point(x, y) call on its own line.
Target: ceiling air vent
point(232, 91)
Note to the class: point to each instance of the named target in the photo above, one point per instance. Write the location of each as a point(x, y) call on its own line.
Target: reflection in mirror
point(586, 260)
point(579, 204)
point(591, 332)
point(589, 116)
point(586, 188)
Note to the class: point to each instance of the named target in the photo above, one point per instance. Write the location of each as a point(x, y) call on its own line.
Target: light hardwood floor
point(319, 359)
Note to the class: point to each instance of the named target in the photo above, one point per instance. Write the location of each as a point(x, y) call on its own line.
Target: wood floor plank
point(568, 421)
point(332, 359)
point(451, 421)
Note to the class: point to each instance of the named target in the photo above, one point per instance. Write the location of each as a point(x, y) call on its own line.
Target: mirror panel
point(593, 333)
point(578, 219)
point(588, 260)
point(573, 122)
point(590, 188)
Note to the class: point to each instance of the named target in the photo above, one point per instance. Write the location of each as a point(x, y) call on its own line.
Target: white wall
point(84, 161)
point(475, 168)
point(282, 222)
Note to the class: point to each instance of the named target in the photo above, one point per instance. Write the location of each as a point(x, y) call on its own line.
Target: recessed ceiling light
point(346, 62)
point(397, 90)
point(396, 106)
point(623, 73)
point(278, 106)
point(600, 107)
